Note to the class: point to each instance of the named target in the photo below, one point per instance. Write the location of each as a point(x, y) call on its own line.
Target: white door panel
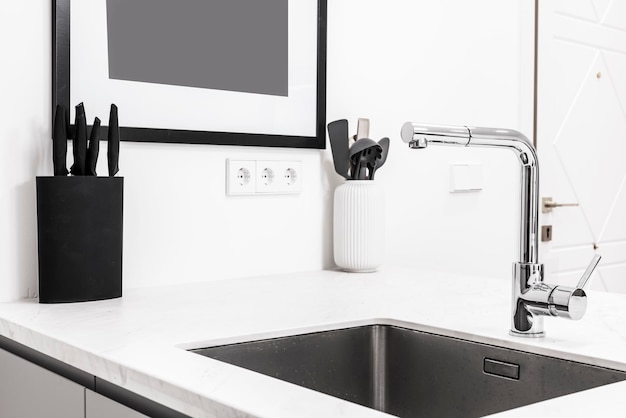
point(582, 9)
point(613, 252)
point(616, 62)
point(586, 145)
point(614, 18)
point(601, 7)
point(615, 227)
point(581, 137)
point(569, 65)
point(588, 33)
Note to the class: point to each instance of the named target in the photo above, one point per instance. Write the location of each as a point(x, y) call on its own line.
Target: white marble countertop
point(138, 341)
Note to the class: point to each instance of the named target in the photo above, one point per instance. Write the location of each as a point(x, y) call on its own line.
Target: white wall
point(453, 61)
point(24, 125)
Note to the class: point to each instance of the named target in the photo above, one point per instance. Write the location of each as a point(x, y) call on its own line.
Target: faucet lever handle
point(568, 302)
point(590, 269)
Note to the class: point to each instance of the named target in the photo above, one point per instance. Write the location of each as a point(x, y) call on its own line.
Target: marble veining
point(139, 341)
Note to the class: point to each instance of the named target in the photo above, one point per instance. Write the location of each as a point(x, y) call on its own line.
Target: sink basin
point(411, 373)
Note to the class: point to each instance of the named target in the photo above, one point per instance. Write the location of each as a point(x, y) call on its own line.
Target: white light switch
point(466, 177)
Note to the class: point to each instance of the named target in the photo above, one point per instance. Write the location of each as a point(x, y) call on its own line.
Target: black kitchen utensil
point(113, 146)
point(363, 152)
point(94, 149)
point(370, 158)
point(59, 142)
point(384, 145)
point(80, 142)
point(339, 137)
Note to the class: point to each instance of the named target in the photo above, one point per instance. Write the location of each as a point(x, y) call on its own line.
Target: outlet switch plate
point(466, 177)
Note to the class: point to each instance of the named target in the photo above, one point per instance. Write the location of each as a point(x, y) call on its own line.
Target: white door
point(581, 137)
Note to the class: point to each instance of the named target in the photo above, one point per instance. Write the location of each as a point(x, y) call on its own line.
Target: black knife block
point(79, 230)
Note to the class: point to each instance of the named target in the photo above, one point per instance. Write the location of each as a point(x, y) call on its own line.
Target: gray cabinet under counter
point(98, 406)
point(28, 390)
point(33, 384)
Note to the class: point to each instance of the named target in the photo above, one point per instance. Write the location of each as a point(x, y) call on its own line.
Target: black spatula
point(338, 134)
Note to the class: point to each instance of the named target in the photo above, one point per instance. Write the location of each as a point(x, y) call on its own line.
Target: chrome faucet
point(532, 298)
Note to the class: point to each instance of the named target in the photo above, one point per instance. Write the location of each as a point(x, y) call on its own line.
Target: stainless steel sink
point(412, 373)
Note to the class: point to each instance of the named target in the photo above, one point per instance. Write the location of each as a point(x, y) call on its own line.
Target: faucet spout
point(532, 298)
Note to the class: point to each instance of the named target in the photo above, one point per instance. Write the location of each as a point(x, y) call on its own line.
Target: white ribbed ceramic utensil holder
point(358, 227)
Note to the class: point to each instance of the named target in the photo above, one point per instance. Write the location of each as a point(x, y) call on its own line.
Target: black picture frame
point(61, 50)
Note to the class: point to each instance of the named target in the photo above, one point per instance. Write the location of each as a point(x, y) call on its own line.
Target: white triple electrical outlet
point(263, 177)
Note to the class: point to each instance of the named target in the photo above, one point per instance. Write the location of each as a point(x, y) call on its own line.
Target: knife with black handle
point(113, 146)
point(80, 142)
point(59, 142)
point(94, 149)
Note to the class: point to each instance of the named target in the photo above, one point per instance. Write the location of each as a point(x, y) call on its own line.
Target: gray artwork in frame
point(266, 86)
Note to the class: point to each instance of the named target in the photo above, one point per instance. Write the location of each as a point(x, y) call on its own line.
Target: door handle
point(547, 204)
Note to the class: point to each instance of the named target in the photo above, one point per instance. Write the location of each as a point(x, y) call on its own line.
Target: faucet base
point(530, 297)
point(539, 334)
